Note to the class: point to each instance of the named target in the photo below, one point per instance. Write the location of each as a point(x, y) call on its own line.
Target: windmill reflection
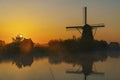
point(86, 61)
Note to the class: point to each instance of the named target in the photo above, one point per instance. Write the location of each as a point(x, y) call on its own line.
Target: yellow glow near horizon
point(45, 20)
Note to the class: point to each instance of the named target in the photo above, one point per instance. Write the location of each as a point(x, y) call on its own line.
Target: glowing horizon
point(46, 20)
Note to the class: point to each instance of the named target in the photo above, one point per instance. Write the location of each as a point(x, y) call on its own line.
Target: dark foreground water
point(62, 66)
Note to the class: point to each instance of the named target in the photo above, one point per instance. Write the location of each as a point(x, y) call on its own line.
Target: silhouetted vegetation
point(77, 45)
point(23, 52)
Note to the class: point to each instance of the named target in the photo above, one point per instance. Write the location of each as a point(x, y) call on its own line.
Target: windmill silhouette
point(87, 30)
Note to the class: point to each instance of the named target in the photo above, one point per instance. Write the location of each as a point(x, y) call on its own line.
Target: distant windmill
point(87, 33)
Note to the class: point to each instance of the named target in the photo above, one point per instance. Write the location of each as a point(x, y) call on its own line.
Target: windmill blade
point(85, 77)
point(74, 72)
point(71, 29)
point(98, 73)
point(95, 32)
point(97, 25)
point(85, 15)
point(74, 27)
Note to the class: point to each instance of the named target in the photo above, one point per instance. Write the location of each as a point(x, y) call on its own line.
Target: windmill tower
point(87, 30)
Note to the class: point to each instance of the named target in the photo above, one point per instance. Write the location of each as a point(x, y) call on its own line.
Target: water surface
point(62, 66)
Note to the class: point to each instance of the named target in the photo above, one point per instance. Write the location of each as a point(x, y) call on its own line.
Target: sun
point(20, 35)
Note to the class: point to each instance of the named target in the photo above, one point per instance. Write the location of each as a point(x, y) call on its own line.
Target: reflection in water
point(21, 59)
point(84, 60)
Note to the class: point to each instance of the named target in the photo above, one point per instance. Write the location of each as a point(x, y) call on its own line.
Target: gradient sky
point(43, 20)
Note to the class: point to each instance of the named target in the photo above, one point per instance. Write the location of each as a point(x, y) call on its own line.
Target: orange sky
point(46, 20)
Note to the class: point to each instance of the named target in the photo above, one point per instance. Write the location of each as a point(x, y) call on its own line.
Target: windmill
point(86, 70)
point(87, 30)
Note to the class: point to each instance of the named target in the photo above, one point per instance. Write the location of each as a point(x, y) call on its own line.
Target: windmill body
point(87, 33)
